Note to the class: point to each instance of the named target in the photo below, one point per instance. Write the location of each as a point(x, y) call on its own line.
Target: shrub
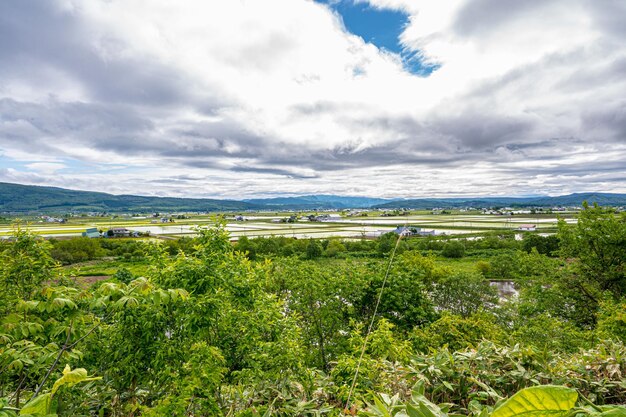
point(453, 249)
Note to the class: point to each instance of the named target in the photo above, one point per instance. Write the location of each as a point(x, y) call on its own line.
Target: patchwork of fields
point(261, 224)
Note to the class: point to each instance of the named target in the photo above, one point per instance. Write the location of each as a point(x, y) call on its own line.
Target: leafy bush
point(453, 249)
point(456, 332)
point(463, 293)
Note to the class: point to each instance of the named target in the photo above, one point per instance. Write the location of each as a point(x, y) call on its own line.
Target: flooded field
point(275, 225)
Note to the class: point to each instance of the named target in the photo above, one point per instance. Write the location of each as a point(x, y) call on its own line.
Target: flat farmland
point(266, 224)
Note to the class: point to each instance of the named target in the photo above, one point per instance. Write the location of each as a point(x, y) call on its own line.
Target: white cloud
point(251, 97)
point(46, 168)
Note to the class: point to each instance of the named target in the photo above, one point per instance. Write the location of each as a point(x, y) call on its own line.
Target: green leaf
point(60, 303)
point(540, 401)
point(413, 411)
point(70, 378)
point(613, 411)
point(38, 406)
point(127, 301)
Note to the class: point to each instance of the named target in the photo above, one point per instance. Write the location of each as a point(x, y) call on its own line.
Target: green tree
point(334, 248)
point(453, 249)
point(24, 265)
point(386, 242)
point(405, 301)
point(597, 243)
point(76, 250)
point(313, 249)
point(245, 245)
point(464, 293)
point(546, 245)
point(456, 332)
point(323, 298)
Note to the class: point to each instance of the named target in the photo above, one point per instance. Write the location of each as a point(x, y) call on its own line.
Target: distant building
point(403, 231)
point(413, 231)
point(328, 218)
point(48, 219)
point(527, 227)
point(91, 233)
point(118, 232)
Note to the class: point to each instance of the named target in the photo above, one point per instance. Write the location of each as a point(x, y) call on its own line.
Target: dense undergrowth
point(214, 330)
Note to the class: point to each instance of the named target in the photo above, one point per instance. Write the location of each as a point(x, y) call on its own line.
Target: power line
point(369, 329)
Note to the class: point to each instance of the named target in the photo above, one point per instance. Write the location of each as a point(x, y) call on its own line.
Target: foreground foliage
point(209, 331)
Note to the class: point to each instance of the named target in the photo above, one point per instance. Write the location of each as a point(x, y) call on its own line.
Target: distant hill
point(16, 198)
point(29, 198)
point(603, 199)
point(312, 202)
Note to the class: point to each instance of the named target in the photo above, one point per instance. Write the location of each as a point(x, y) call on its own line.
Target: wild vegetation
point(279, 326)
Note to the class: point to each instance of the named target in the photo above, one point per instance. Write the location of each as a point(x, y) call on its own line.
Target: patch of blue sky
point(380, 27)
point(65, 165)
point(78, 166)
point(31, 165)
point(6, 162)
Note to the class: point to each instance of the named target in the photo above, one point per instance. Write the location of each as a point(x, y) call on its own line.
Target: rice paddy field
point(271, 224)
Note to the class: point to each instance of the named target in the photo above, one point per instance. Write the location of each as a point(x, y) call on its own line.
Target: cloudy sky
point(248, 98)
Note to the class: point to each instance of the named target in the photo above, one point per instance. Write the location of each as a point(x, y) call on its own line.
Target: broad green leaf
point(540, 401)
point(26, 305)
point(71, 377)
point(127, 301)
point(109, 288)
point(613, 411)
point(60, 302)
point(16, 365)
point(38, 406)
point(413, 411)
point(142, 285)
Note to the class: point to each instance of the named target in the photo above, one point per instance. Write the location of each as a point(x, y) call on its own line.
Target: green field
point(264, 224)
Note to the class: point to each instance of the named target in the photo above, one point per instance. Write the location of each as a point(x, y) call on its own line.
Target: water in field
point(353, 227)
point(506, 289)
point(388, 221)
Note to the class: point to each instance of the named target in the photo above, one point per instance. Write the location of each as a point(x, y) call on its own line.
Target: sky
point(383, 98)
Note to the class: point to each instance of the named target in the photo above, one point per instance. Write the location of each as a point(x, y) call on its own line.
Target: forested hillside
point(29, 198)
point(19, 198)
point(281, 327)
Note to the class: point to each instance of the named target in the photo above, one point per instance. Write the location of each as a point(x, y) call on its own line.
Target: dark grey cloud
point(55, 128)
point(273, 171)
point(39, 41)
point(478, 17)
point(609, 17)
point(607, 123)
point(476, 131)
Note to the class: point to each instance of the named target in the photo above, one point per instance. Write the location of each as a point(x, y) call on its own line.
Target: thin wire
point(369, 329)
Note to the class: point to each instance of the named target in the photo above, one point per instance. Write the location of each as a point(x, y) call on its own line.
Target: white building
point(527, 227)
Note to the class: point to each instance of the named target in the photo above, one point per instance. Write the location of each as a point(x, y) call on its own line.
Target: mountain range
point(603, 199)
point(322, 201)
point(17, 198)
